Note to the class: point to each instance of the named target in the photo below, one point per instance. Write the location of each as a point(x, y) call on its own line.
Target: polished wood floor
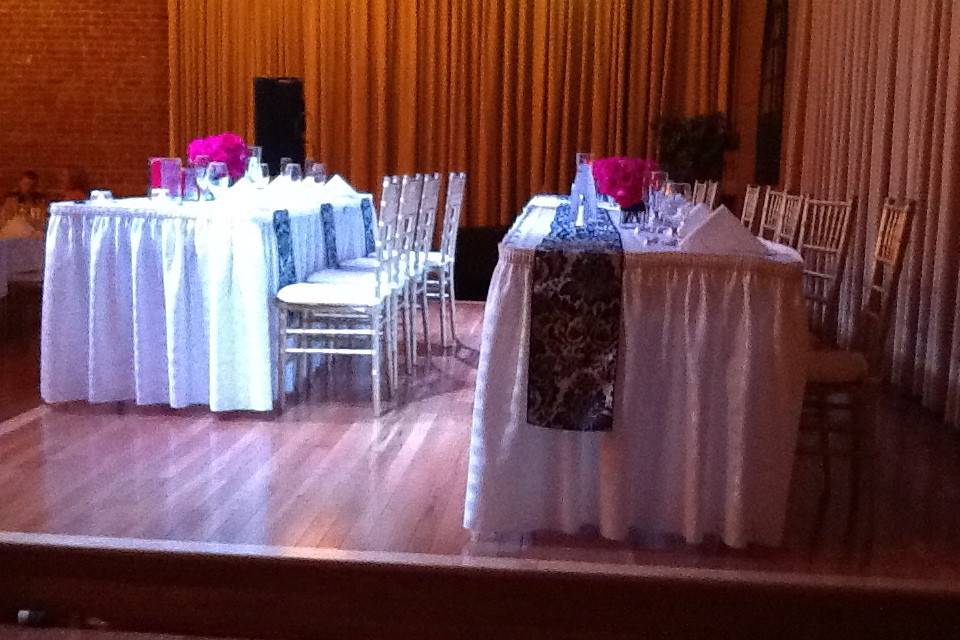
point(327, 474)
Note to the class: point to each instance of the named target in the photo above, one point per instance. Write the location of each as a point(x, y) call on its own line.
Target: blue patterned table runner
point(575, 324)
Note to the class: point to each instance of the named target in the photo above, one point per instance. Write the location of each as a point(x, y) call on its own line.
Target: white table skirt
point(708, 397)
point(19, 255)
point(172, 304)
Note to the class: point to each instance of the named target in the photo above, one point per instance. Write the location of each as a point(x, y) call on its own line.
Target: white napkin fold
point(18, 227)
point(693, 219)
point(338, 187)
point(722, 233)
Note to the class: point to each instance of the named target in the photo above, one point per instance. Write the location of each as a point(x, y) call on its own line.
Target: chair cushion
point(358, 293)
point(833, 366)
point(346, 277)
point(437, 259)
point(360, 264)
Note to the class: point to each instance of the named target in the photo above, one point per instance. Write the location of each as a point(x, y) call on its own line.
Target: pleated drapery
point(508, 90)
point(873, 92)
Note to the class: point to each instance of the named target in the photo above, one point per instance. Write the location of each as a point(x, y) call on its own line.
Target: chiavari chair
point(699, 192)
point(751, 200)
point(772, 214)
point(841, 384)
point(337, 307)
point(823, 245)
point(440, 264)
point(426, 223)
point(710, 194)
point(791, 213)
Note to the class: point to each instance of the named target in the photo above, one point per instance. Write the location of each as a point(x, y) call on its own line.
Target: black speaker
point(279, 121)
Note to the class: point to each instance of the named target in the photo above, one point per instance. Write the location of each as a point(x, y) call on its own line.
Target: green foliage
point(692, 148)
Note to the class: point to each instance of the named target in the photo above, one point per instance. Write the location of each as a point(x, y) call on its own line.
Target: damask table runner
point(575, 324)
point(709, 388)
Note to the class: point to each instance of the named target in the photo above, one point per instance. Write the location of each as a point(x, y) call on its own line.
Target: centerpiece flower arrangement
point(226, 147)
point(624, 179)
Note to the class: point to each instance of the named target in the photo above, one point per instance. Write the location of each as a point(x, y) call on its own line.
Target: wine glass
point(584, 158)
point(218, 178)
point(292, 172)
point(283, 163)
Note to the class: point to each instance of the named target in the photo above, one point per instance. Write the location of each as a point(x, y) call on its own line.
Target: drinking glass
point(218, 178)
point(262, 176)
point(254, 151)
point(283, 163)
point(190, 189)
point(101, 194)
point(292, 172)
point(584, 158)
point(317, 171)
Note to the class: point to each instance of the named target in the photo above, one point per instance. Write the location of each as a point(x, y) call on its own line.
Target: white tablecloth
point(708, 396)
point(172, 304)
point(19, 255)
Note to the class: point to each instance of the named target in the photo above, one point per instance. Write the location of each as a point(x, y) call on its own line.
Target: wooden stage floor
point(328, 475)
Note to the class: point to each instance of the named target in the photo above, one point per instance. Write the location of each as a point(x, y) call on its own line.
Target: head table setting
point(168, 300)
point(639, 372)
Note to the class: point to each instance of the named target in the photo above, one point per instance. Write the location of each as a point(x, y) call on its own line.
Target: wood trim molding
point(251, 591)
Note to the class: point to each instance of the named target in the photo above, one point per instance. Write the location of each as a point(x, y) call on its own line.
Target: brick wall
point(83, 83)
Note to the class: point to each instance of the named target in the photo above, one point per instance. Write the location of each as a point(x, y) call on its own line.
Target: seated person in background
point(78, 184)
point(27, 195)
point(26, 200)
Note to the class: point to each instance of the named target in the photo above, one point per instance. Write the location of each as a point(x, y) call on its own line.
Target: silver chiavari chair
point(440, 264)
point(336, 308)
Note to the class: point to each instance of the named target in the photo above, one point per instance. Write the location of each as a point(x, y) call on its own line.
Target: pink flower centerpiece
point(624, 179)
point(224, 147)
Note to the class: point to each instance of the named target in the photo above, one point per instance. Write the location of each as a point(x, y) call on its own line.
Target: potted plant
point(691, 148)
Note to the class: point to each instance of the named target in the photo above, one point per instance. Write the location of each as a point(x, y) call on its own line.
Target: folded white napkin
point(693, 219)
point(338, 187)
point(722, 233)
point(18, 227)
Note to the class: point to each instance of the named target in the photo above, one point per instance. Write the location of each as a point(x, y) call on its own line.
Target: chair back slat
point(426, 220)
point(791, 213)
point(883, 274)
point(823, 245)
point(456, 186)
point(750, 201)
point(772, 213)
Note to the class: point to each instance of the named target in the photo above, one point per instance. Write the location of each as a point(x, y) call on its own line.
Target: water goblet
point(218, 178)
point(292, 172)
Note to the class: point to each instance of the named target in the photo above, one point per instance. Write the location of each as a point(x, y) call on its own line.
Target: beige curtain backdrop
point(508, 90)
point(873, 93)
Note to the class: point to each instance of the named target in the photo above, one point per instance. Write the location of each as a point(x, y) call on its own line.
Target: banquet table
point(19, 255)
point(709, 384)
point(166, 303)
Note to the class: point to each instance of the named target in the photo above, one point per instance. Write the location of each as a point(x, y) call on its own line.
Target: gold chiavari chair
point(841, 383)
point(699, 192)
point(791, 213)
point(771, 215)
point(823, 245)
point(751, 200)
point(710, 194)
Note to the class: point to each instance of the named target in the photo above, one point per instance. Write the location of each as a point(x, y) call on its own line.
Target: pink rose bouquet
point(224, 147)
point(624, 179)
